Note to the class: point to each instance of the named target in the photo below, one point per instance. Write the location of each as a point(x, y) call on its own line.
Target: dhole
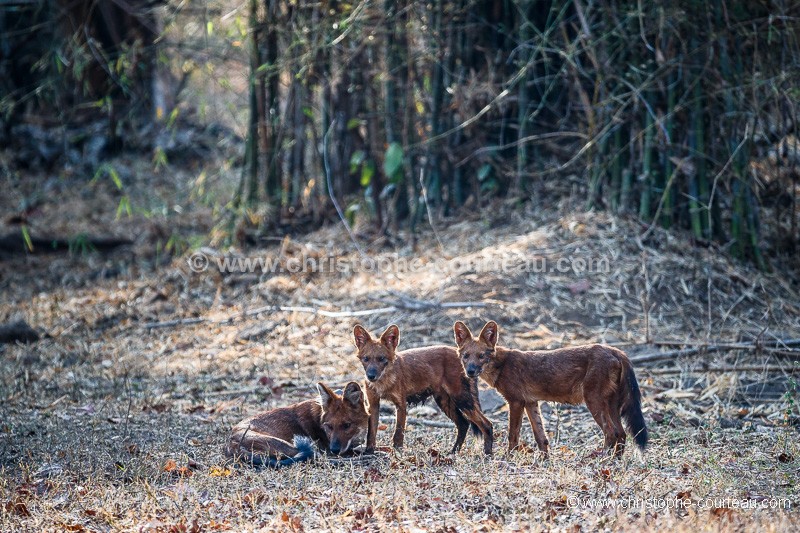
point(411, 376)
point(599, 376)
point(336, 423)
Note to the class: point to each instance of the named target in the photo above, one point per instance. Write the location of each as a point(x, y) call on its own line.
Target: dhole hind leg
point(599, 407)
point(515, 412)
point(475, 416)
point(448, 407)
point(618, 447)
point(535, 418)
point(254, 447)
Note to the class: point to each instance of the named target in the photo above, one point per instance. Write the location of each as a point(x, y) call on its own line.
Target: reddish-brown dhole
point(599, 376)
point(337, 424)
point(410, 377)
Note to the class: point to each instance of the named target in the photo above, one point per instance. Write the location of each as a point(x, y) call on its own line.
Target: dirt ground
point(115, 421)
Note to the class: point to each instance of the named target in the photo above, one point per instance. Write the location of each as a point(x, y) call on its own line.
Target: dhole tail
point(305, 451)
point(632, 407)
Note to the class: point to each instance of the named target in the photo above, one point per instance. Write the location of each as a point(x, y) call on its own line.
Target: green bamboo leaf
point(484, 172)
point(367, 171)
point(356, 159)
point(351, 212)
point(105, 168)
point(26, 236)
point(393, 160)
point(124, 206)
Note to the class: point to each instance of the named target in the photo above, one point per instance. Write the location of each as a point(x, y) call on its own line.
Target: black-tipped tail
point(632, 409)
point(305, 451)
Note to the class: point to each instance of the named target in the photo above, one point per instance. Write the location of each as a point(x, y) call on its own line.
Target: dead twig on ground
point(712, 348)
point(409, 305)
point(721, 370)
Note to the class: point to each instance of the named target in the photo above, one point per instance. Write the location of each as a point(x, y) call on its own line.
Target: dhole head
point(344, 418)
point(376, 355)
point(475, 352)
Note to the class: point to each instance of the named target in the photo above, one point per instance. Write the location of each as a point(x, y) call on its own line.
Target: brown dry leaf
point(604, 474)
point(16, 507)
point(363, 513)
point(373, 474)
point(553, 508)
point(170, 466)
point(442, 461)
point(723, 513)
point(382, 427)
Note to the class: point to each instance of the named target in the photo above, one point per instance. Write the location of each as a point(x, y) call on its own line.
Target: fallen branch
point(310, 310)
point(713, 348)
point(723, 369)
point(16, 243)
point(429, 423)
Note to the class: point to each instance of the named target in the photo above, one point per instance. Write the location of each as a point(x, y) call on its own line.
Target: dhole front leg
point(535, 417)
point(400, 425)
point(515, 411)
point(374, 419)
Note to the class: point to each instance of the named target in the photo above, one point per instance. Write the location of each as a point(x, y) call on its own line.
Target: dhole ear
point(489, 333)
point(353, 394)
point(462, 333)
point(360, 336)
point(391, 337)
point(325, 394)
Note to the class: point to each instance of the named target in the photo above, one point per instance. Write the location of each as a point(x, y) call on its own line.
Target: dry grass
point(108, 425)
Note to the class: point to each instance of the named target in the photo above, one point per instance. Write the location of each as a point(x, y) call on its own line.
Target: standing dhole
point(337, 424)
point(599, 376)
point(410, 377)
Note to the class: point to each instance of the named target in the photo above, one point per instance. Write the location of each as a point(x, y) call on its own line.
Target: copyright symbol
point(198, 262)
point(572, 501)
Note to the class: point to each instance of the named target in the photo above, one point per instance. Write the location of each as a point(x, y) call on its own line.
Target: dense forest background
point(386, 113)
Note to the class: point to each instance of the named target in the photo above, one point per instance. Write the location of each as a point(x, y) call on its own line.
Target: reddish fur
point(597, 375)
point(331, 419)
point(416, 374)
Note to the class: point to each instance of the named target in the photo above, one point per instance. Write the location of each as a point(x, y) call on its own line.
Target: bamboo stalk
point(647, 173)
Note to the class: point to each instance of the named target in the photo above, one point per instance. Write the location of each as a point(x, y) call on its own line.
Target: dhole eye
point(382, 360)
point(346, 425)
point(366, 359)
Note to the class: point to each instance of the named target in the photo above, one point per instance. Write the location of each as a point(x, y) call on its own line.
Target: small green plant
point(80, 245)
